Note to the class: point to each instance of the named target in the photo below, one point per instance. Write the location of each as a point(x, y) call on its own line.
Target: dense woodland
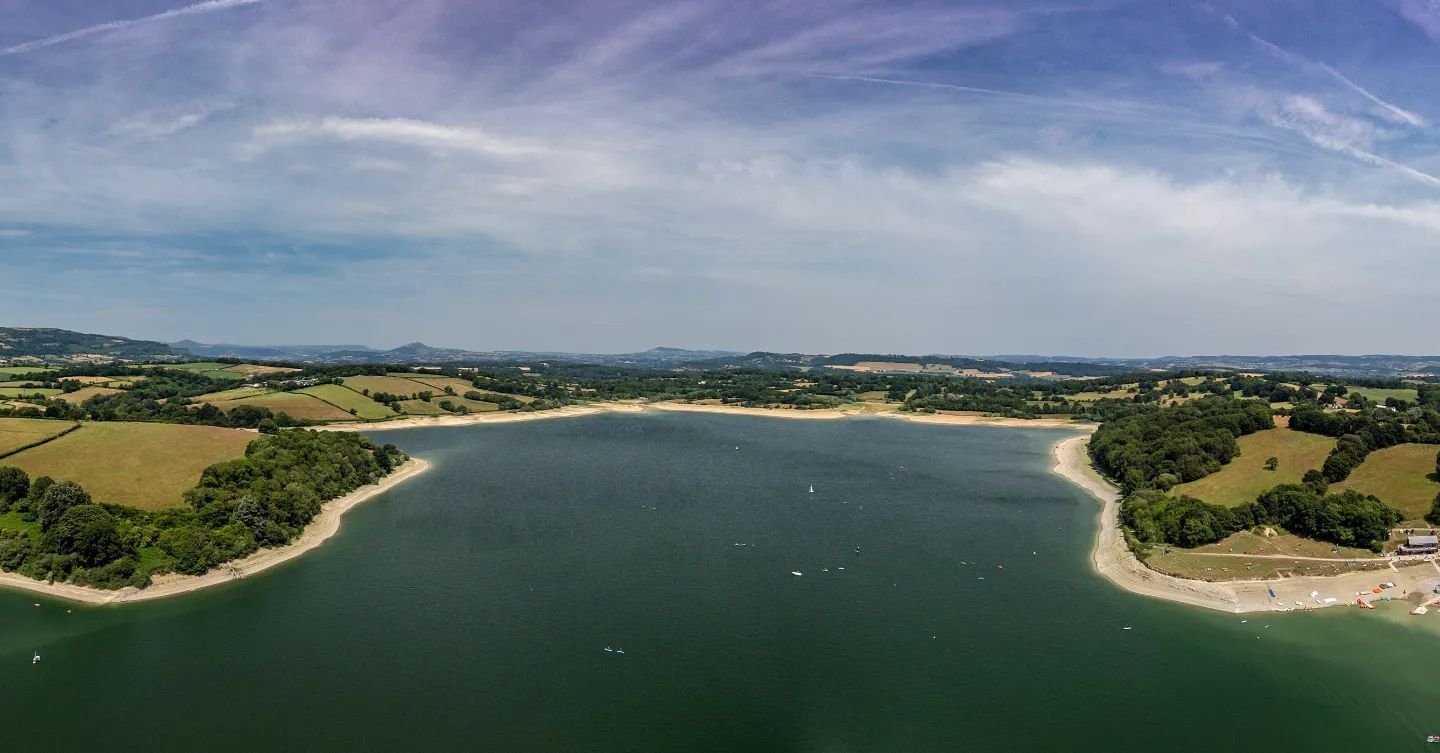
point(263, 499)
point(1162, 448)
point(1151, 453)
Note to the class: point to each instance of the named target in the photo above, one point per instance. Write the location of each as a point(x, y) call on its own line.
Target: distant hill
point(420, 353)
point(261, 352)
point(30, 344)
point(893, 363)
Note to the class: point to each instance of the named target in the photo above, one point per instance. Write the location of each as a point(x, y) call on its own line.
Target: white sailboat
point(812, 488)
point(36, 660)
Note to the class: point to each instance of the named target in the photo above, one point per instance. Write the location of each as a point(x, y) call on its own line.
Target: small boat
point(36, 660)
point(812, 488)
point(1127, 627)
point(609, 650)
point(796, 573)
point(620, 651)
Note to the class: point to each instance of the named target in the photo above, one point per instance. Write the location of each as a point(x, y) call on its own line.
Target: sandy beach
point(1113, 559)
point(325, 524)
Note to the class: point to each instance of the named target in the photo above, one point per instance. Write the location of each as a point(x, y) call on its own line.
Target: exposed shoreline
point(1112, 558)
point(575, 411)
point(324, 525)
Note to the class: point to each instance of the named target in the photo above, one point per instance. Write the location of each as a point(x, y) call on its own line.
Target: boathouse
point(1421, 545)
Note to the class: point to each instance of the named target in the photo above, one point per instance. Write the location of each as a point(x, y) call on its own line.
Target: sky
point(1075, 178)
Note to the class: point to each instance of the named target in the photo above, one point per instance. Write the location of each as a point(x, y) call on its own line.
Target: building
point(1421, 545)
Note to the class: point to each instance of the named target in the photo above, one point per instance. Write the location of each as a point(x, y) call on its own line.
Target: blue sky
point(1089, 178)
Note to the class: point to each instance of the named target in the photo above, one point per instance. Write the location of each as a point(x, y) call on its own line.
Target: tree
point(1433, 517)
point(59, 497)
point(14, 485)
point(1315, 481)
point(88, 532)
point(1272, 463)
point(268, 425)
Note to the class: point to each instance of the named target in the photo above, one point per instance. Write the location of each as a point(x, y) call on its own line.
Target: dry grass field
point(347, 399)
point(250, 369)
point(1401, 476)
point(391, 384)
point(439, 383)
point(293, 404)
point(1245, 477)
point(142, 465)
point(19, 432)
point(238, 393)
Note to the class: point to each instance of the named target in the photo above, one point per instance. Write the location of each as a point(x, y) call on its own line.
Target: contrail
point(1300, 61)
point(189, 10)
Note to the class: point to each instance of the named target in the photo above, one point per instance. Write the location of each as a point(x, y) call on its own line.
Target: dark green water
point(468, 611)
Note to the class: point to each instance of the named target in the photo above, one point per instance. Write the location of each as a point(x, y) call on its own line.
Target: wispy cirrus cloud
point(620, 174)
point(189, 10)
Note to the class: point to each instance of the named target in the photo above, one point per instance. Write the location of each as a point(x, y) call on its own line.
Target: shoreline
point(1112, 558)
point(592, 409)
point(325, 524)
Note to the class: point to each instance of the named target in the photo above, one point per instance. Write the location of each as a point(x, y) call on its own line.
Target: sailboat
point(36, 660)
point(812, 488)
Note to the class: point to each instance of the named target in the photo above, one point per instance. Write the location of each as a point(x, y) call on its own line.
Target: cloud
point(401, 131)
point(158, 125)
point(69, 36)
point(698, 174)
point(1424, 14)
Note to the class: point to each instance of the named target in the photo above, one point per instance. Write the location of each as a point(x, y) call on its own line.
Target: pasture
point(394, 385)
point(347, 399)
point(420, 408)
point(14, 371)
point(1245, 477)
point(474, 406)
point(238, 393)
point(1378, 394)
point(148, 466)
point(250, 369)
point(439, 383)
point(28, 391)
point(85, 393)
point(1401, 476)
point(20, 432)
point(293, 404)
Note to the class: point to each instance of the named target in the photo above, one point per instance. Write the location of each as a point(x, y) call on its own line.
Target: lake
point(945, 603)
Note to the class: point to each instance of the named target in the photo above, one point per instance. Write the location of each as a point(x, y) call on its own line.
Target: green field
point(292, 404)
point(85, 393)
point(439, 383)
point(1400, 476)
point(27, 391)
point(393, 385)
point(420, 408)
point(347, 399)
point(197, 366)
point(235, 394)
point(19, 432)
point(14, 521)
point(142, 465)
point(11, 371)
point(1245, 477)
point(1408, 394)
point(475, 406)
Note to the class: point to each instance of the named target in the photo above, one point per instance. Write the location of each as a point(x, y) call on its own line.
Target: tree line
point(265, 498)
